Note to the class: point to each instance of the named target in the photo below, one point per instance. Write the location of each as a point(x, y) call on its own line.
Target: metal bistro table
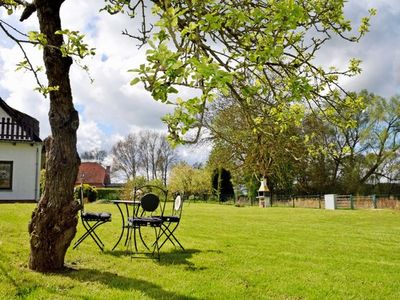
point(124, 216)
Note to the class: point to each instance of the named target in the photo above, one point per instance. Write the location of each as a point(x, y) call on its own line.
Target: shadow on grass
point(123, 283)
point(174, 257)
point(179, 257)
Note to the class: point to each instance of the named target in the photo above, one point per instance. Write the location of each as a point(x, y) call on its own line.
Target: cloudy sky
point(110, 108)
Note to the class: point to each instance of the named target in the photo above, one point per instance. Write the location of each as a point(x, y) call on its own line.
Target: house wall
point(26, 170)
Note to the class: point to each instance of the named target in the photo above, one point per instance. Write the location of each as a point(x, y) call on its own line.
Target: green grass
point(232, 253)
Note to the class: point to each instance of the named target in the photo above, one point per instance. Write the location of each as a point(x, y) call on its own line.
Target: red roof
point(94, 174)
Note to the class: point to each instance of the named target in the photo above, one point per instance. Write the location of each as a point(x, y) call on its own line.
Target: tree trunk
point(54, 220)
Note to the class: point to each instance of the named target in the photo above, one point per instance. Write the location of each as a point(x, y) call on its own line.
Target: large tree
point(254, 51)
point(54, 220)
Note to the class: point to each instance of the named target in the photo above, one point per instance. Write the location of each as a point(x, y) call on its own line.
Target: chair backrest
point(149, 202)
point(177, 207)
point(152, 199)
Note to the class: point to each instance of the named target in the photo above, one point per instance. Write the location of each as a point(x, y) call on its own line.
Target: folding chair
point(143, 216)
point(170, 223)
point(90, 221)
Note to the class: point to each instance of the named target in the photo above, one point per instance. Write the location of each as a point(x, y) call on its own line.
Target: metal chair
point(144, 216)
point(91, 221)
point(171, 222)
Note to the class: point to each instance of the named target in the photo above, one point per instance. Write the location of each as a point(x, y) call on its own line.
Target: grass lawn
point(232, 253)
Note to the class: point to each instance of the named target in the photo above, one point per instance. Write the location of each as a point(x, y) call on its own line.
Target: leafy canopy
point(249, 50)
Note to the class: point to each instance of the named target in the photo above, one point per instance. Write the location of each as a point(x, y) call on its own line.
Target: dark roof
point(22, 119)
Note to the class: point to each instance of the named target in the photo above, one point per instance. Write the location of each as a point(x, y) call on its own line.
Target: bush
point(109, 193)
point(89, 192)
point(127, 191)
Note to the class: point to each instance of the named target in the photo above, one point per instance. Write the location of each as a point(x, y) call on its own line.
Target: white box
point(330, 201)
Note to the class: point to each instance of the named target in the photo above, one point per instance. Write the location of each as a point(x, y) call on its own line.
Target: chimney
point(107, 177)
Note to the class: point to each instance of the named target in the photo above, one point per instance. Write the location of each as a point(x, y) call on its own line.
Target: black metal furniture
point(171, 222)
point(91, 221)
point(148, 214)
point(124, 209)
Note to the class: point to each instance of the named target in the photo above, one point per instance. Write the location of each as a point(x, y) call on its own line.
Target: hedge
point(109, 193)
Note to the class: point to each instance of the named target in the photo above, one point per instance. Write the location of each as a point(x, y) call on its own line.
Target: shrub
point(127, 191)
point(89, 192)
point(109, 193)
point(130, 185)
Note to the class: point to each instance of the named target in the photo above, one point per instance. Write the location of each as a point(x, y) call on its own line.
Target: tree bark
point(54, 220)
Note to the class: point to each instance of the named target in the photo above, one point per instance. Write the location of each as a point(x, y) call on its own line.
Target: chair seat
point(145, 221)
point(172, 219)
point(96, 216)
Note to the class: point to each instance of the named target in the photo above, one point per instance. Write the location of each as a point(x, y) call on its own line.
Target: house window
point(6, 169)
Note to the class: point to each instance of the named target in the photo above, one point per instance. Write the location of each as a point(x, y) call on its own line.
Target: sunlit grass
point(232, 253)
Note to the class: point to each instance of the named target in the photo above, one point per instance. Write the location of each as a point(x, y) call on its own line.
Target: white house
point(20, 155)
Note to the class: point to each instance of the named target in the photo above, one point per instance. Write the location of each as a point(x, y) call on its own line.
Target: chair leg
point(156, 245)
point(134, 237)
point(90, 231)
point(141, 238)
point(164, 232)
point(84, 236)
point(170, 234)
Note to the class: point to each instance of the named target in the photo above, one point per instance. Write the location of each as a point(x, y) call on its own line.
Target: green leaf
point(135, 81)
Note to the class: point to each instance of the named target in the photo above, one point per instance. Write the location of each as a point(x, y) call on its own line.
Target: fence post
point(351, 202)
point(293, 202)
point(319, 201)
point(374, 201)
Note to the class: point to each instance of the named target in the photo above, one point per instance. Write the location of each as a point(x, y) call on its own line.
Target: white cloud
point(90, 136)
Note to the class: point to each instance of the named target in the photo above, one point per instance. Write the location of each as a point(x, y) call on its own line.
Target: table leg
point(123, 227)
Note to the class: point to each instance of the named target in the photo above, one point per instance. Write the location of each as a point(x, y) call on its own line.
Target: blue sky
point(110, 108)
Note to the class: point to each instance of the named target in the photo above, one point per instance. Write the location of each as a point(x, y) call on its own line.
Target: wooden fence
point(342, 201)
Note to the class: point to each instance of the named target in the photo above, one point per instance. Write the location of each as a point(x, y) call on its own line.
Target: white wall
point(26, 170)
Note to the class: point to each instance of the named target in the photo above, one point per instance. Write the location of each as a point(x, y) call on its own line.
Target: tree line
point(312, 155)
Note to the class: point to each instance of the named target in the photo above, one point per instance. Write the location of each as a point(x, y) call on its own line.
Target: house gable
point(17, 126)
point(20, 155)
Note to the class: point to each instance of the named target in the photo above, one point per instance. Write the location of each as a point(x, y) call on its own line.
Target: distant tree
point(148, 147)
point(342, 158)
point(371, 143)
point(95, 155)
point(126, 156)
point(272, 153)
point(166, 157)
point(222, 185)
point(181, 179)
point(201, 182)
point(190, 181)
point(146, 152)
